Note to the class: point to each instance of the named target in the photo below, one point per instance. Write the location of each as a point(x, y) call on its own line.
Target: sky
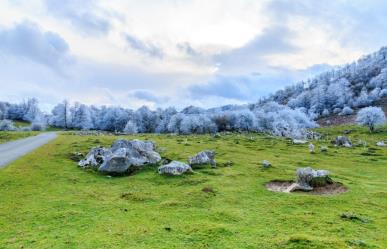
point(164, 53)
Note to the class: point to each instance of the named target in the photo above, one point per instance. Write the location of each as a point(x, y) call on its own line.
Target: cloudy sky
point(176, 52)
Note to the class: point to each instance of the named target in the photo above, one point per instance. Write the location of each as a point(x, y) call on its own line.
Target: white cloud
point(176, 50)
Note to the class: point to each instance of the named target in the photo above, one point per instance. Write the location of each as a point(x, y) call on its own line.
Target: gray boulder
point(175, 168)
point(308, 178)
point(343, 141)
point(381, 144)
point(122, 157)
point(203, 157)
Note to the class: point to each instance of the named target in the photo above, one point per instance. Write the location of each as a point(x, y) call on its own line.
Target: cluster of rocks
point(123, 157)
point(88, 133)
point(342, 141)
point(313, 135)
point(308, 178)
point(126, 157)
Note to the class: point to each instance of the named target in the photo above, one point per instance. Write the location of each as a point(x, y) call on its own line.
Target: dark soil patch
point(208, 190)
point(330, 189)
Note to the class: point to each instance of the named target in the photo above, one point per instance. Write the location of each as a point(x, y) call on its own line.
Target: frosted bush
point(371, 117)
point(38, 126)
point(383, 93)
point(7, 125)
point(336, 110)
point(346, 111)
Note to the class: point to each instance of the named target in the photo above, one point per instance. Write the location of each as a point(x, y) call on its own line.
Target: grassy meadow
point(46, 201)
point(6, 136)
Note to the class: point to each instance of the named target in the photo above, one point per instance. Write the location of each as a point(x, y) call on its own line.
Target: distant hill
point(359, 84)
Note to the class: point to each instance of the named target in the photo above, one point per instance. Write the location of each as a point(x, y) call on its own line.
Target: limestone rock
point(122, 157)
point(94, 158)
point(343, 141)
point(307, 178)
point(174, 168)
point(299, 141)
point(203, 157)
point(311, 148)
point(266, 164)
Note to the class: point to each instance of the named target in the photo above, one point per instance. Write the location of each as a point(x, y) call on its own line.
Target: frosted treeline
point(272, 117)
point(340, 90)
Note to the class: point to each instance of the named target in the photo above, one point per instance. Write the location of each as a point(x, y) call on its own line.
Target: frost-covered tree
point(81, 117)
point(282, 121)
point(60, 115)
point(131, 127)
point(383, 93)
point(3, 110)
point(371, 117)
point(15, 112)
point(243, 120)
point(174, 125)
point(146, 120)
point(31, 110)
point(164, 119)
point(197, 124)
point(113, 119)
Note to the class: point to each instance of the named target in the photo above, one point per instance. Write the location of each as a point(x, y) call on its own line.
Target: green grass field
point(46, 201)
point(6, 136)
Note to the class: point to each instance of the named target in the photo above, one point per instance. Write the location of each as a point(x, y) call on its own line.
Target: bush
point(38, 126)
point(7, 125)
point(346, 111)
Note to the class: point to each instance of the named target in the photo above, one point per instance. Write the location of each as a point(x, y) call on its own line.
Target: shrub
point(346, 111)
point(7, 125)
point(38, 126)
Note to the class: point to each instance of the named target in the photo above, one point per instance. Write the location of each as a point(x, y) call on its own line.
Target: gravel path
point(13, 150)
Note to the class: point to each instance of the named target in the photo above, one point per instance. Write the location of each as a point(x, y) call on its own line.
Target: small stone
point(311, 148)
point(299, 141)
point(324, 149)
point(266, 164)
point(381, 144)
